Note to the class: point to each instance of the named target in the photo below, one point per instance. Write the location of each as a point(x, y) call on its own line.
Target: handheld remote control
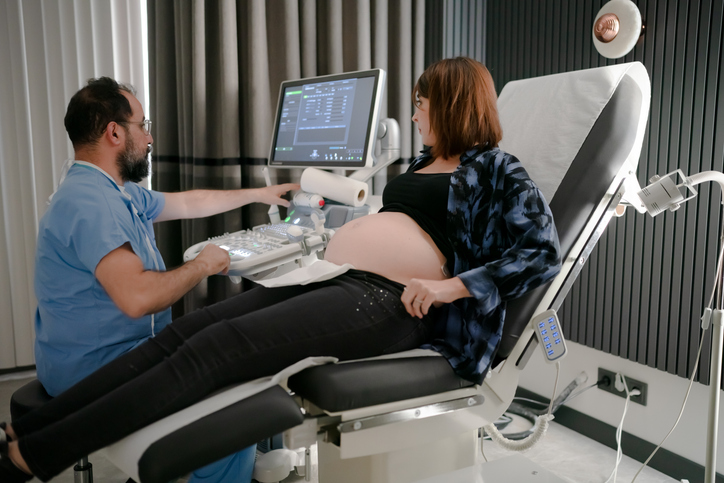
point(550, 335)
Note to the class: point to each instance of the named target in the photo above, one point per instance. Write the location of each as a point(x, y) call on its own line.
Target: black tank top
point(423, 197)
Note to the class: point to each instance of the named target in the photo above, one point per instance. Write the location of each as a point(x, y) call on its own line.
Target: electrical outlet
point(610, 386)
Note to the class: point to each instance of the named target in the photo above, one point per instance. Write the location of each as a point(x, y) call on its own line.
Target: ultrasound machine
point(329, 122)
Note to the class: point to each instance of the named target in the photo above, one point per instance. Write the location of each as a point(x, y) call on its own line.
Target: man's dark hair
point(93, 107)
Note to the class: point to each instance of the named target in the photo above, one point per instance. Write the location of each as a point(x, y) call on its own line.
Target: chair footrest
point(218, 435)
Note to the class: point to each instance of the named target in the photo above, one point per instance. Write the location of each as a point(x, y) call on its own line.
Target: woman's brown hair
point(463, 111)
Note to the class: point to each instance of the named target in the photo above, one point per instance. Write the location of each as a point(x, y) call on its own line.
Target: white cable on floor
point(539, 429)
point(619, 432)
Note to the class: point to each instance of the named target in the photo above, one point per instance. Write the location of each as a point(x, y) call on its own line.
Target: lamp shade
point(617, 28)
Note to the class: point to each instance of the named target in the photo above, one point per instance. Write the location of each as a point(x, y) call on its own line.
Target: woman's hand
point(420, 294)
point(272, 195)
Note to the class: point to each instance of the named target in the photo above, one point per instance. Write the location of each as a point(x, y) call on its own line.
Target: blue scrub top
point(78, 327)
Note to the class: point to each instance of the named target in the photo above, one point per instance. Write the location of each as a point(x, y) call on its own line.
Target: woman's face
point(422, 118)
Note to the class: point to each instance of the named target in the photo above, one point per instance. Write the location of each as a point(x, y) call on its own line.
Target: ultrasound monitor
point(328, 122)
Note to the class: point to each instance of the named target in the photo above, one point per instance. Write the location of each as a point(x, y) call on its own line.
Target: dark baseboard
point(16, 369)
point(665, 461)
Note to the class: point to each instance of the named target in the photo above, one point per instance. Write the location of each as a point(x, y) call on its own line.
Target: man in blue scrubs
point(100, 281)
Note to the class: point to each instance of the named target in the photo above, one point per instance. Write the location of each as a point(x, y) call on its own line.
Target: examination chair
point(406, 417)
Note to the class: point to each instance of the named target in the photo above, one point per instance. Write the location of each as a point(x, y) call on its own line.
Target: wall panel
point(645, 286)
point(464, 27)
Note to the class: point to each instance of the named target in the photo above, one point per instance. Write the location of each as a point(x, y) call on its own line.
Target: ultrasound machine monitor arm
point(407, 417)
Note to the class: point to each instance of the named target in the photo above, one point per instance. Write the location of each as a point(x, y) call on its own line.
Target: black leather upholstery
point(31, 396)
point(584, 186)
point(340, 387)
point(201, 442)
point(221, 433)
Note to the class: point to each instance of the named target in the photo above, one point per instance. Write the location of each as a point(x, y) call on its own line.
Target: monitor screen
point(327, 122)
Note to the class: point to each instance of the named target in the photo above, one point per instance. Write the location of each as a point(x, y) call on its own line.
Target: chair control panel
point(550, 335)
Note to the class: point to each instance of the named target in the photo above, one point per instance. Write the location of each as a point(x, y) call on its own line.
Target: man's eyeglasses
point(145, 124)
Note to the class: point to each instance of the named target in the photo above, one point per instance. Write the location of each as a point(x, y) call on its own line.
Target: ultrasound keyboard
point(281, 231)
point(264, 248)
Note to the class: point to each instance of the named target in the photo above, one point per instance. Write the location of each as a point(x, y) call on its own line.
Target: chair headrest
point(546, 119)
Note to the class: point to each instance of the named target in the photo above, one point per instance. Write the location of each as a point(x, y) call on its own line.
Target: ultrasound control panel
point(265, 247)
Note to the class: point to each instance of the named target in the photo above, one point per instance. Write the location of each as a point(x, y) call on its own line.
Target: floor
point(563, 456)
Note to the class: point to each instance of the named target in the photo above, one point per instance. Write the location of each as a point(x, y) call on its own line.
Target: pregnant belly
point(388, 244)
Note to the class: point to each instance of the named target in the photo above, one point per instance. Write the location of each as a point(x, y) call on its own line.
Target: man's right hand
point(216, 259)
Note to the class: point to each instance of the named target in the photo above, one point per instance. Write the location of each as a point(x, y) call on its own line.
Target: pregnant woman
point(461, 232)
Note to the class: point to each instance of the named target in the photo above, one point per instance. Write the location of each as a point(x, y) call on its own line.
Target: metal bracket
point(411, 414)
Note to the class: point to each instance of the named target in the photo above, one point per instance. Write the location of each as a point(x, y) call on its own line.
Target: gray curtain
point(215, 71)
point(48, 50)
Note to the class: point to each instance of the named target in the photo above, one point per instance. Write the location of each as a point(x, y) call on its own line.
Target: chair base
point(404, 466)
point(83, 471)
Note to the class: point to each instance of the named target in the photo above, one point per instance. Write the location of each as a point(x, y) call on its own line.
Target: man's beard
point(133, 166)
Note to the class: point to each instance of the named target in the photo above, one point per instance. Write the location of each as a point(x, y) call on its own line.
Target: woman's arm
point(533, 257)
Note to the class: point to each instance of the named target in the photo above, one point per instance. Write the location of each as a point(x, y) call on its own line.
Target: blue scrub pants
point(236, 468)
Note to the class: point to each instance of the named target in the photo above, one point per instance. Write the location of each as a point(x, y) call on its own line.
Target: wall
point(463, 28)
point(651, 422)
point(645, 286)
point(637, 303)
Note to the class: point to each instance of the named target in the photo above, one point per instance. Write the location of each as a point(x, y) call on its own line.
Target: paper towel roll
point(335, 187)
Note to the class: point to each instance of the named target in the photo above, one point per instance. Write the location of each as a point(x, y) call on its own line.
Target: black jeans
point(252, 335)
